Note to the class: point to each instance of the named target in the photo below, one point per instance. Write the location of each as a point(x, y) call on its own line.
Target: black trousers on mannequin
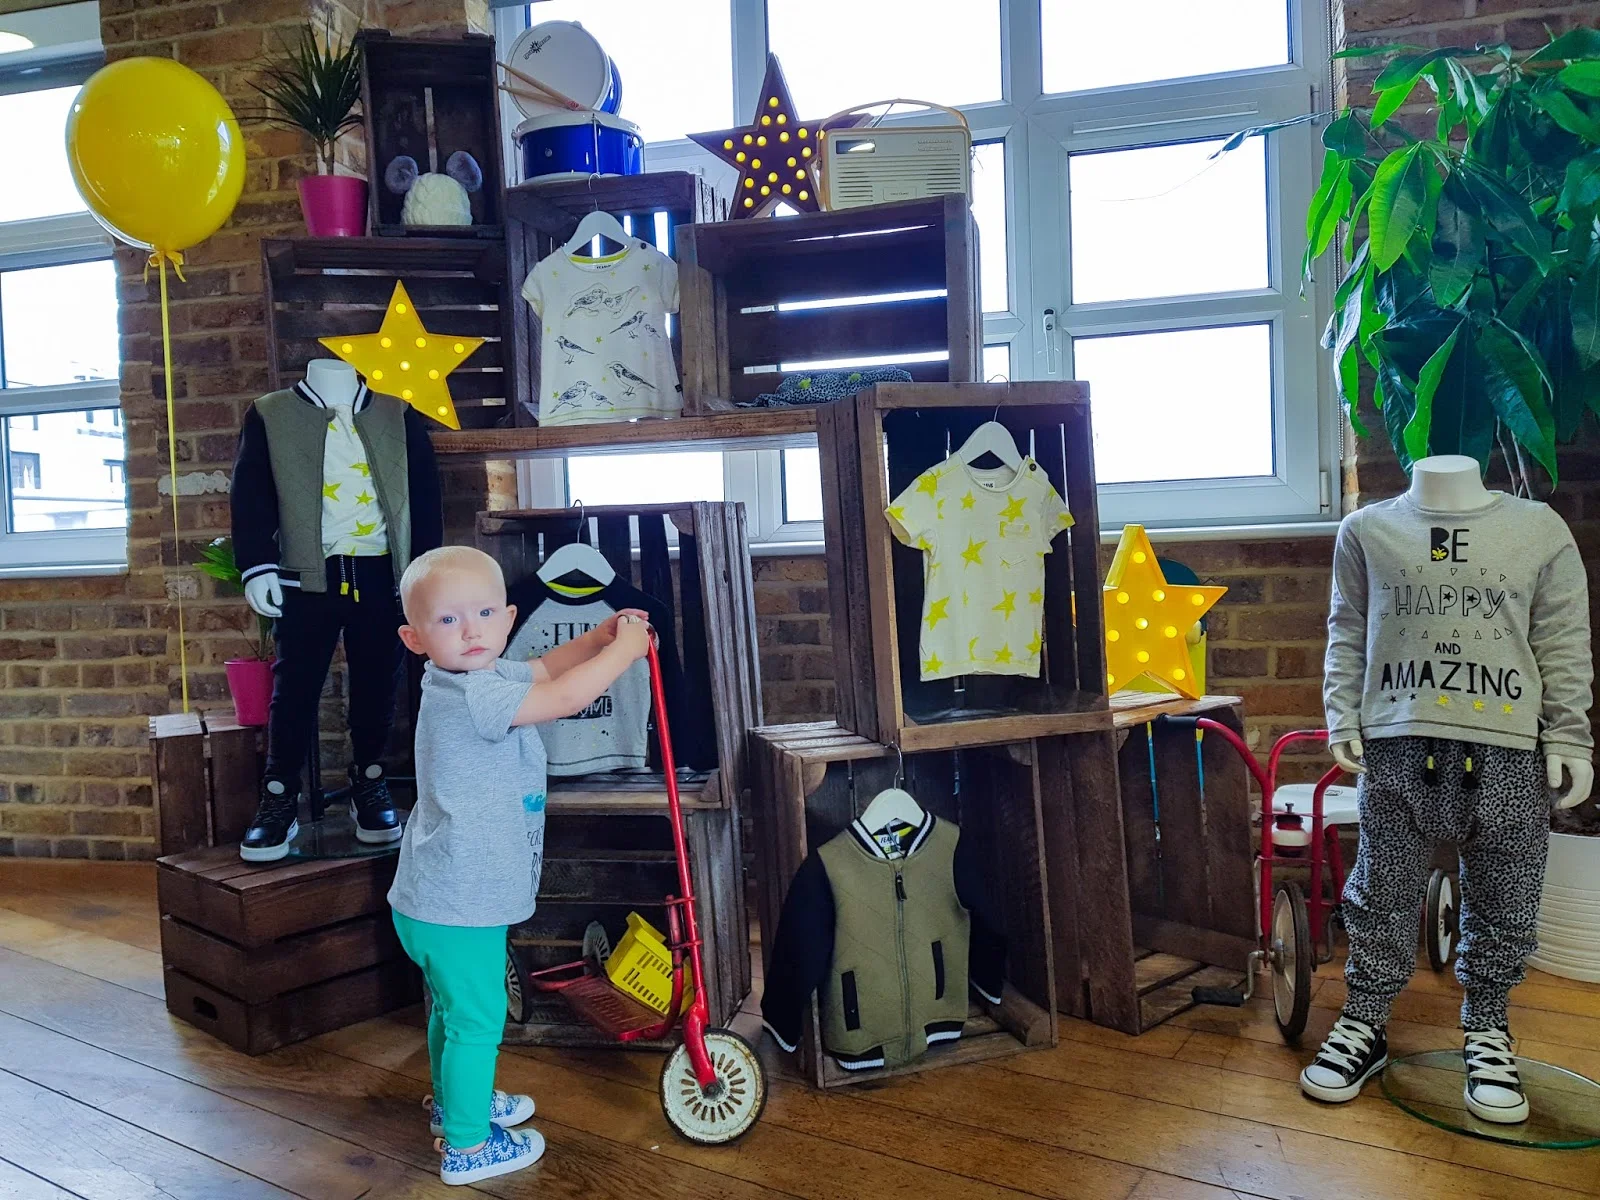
point(362, 604)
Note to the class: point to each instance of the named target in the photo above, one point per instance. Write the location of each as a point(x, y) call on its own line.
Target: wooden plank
point(103, 957)
point(741, 429)
point(903, 327)
point(1105, 921)
point(1185, 882)
point(257, 976)
point(17, 1184)
point(258, 905)
point(182, 789)
point(1157, 970)
point(1139, 822)
point(1160, 1003)
point(718, 876)
point(235, 778)
point(1205, 945)
point(1083, 500)
point(980, 731)
point(1230, 838)
point(963, 334)
point(1063, 858)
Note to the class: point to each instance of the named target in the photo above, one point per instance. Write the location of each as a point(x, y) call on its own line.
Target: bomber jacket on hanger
point(890, 943)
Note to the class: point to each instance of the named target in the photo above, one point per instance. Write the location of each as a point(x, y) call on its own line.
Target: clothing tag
point(893, 839)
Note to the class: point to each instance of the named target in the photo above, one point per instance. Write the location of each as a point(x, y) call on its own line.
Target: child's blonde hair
point(464, 560)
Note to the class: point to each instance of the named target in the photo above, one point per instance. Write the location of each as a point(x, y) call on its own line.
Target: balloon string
point(172, 464)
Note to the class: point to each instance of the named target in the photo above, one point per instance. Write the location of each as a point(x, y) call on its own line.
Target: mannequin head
point(456, 611)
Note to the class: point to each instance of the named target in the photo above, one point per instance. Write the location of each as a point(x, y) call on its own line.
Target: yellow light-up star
point(1013, 510)
point(362, 469)
point(1008, 603)
point(929, 482)
point(364, 498)
point(967, 501)
point(1003, 655)
point(330, 491)
point(931, 666)
point(936, 611)
point(1140, 605)
point(974, 552)
point(365, 530)
point(405, 360)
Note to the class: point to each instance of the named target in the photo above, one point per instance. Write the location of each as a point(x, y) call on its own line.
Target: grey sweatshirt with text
point(1469, 626)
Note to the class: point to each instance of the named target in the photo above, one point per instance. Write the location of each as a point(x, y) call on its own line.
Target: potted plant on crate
point(314, 88)
point(250, 678)
point(1472, 293)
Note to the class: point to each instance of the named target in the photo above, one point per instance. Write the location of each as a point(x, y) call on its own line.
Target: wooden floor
point(103, 1096)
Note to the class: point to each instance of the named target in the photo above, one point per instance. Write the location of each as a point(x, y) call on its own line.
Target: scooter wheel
point(727, 1110)
point(1293, 957)
point(1439, 919)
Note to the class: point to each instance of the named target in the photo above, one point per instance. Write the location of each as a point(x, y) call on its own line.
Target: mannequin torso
point(1453, 483)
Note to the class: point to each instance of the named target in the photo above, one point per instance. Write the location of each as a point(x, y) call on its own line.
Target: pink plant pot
point(334, 205)
point(250, 683)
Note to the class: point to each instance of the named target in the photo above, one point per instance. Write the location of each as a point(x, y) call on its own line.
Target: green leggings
point(464, 967)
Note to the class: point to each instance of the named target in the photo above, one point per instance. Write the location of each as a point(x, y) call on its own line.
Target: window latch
point(1049, 327)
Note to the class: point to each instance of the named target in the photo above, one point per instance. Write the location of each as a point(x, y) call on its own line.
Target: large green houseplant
point(1472, 252)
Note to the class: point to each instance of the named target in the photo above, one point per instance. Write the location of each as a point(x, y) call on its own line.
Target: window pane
point(1168, 221)
point(989, 210)
point(58, 324)
point(675, 60)
point(660, 477)
point(1189, 404)
point(33, 131)
point(1090, 44)
point(802, 485)
point(64, 471)
point(838, 53)
point(996, 363)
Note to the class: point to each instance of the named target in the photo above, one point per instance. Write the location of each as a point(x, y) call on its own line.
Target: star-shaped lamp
point(1147, 618)
point(776, 154)
point(403, 359)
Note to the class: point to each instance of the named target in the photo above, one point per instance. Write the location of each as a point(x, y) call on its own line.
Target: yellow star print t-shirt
point(352, 522)
point(984, 534)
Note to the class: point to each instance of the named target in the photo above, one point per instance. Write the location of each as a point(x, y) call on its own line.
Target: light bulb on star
point(1147, 618)
point(407, 361)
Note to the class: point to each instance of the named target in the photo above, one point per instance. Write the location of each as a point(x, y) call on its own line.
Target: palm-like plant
point(217, 561)
point(313, 88)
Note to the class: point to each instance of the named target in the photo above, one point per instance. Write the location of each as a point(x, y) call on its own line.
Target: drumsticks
point(548, 92)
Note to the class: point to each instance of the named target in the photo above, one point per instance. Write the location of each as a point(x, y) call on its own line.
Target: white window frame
point(1041, 131)
point(48, 242)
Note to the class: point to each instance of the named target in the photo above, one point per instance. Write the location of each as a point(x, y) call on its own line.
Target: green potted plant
point(1472, 284)
point(249, 678)
point(314, 88)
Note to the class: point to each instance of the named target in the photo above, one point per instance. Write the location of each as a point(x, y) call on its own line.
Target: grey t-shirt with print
point(474, 844)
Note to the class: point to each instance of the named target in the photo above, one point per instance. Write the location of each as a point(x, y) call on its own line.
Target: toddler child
point(473, 847)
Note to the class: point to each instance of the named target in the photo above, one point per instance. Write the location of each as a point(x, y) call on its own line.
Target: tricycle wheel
point(724, 1112)
point(517, 1004)
point(1292, 958)
point(1439, 919)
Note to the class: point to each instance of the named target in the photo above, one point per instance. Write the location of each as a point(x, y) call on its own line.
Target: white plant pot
point(1569, 913)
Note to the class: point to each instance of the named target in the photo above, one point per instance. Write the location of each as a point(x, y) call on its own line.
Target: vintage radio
point(876, 164)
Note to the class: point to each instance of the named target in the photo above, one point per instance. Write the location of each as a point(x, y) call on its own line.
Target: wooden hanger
point(599, 223)
point(991, 438)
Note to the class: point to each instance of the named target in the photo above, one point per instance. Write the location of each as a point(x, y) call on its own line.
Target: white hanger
point(577, 556)
point(991, 438)
point(599, 223)
point(892, 805)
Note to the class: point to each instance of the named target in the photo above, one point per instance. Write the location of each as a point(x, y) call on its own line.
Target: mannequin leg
point(306, 635)
point(373, 655)
point(1502, 878)
point(1383, 894)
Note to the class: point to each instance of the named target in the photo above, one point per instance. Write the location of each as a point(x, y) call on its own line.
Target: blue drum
point(577, 145)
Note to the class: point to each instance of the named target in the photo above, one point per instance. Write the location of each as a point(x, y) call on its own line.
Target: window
point(1117, 244)
point(61, 433)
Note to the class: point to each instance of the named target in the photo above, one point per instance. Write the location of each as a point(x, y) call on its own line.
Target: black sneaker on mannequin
point(274, 825)
point(370, 806)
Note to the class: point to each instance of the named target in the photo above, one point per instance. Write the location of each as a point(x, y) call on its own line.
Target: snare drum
point(569, 145)
point(565, 57)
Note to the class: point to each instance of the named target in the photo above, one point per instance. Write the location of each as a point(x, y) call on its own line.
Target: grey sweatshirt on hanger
point(1468, 626)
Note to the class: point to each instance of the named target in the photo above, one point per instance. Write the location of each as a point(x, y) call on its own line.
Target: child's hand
point(606, 631)
point(632, 636)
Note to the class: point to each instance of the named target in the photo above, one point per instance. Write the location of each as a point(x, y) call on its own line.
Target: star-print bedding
point(984, 534)
point(604, 352)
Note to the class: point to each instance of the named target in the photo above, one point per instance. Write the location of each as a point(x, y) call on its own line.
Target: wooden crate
point(540, 217)
point(608, 849)
point(808, 782)
point(429, 97)
point(207, 779)
point(734, 275)
point(323, 287)
point(874, 446)
point(265, 955)
point(1139, 920)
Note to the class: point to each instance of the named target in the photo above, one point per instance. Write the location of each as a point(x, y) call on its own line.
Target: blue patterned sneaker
point(506, 1150)
point(505, 1110)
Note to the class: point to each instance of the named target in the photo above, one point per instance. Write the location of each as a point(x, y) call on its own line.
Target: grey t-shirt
point(1469, 626)
point(474, 843)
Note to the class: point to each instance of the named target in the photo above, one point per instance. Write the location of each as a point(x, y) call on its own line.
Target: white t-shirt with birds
point(605, 354)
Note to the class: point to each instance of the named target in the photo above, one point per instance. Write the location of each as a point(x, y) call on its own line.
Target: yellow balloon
point(156, 153)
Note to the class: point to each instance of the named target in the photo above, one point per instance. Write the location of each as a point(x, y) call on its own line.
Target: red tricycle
point(713, 1087)
point(1296, 934)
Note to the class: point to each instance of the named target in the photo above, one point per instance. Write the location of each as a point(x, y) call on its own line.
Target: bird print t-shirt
point(605, 354)
point(984, 534)
point(352, 521)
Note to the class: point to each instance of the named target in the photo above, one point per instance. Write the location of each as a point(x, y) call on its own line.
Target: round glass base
point(335, 837)
point(1564, 1108)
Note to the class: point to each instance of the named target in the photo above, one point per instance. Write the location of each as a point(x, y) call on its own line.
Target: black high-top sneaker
point(1352, 1054)
point(275, 823)
point(1494, 1086)
point(370, 806)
